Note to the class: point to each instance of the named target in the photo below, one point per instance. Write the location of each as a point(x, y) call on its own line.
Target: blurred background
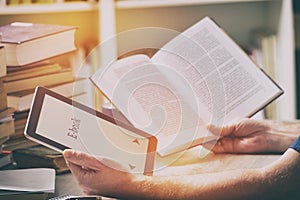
point(268, 30)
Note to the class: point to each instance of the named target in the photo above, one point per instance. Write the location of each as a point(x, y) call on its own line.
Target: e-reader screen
point(59, 123)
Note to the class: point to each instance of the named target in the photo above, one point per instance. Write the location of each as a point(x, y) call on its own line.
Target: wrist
point(281, 134)
point(279, 143)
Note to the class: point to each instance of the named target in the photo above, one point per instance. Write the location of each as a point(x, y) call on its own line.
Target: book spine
point(3, 70)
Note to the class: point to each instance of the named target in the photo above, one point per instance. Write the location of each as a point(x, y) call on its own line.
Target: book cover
point(23, 42)
point(20, 32)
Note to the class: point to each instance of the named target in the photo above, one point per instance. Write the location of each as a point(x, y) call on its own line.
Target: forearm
point(237, 184)
point(280, 180)
point(283, 177)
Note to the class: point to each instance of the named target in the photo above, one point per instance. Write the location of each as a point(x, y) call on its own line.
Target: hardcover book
point(200, 77)
point(27, 43)
point(64, 75)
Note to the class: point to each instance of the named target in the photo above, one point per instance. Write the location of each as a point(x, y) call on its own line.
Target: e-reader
point(60, 123)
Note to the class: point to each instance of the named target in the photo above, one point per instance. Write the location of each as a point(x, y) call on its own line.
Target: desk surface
point(190, 162)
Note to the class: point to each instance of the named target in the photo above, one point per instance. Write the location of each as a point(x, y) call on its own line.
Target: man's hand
point(97, 176)
point(249, 136)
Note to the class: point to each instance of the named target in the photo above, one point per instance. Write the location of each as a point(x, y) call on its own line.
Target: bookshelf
point(239, 18)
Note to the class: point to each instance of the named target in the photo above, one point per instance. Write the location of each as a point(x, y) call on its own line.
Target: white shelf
point(121, 4)
point(128, 4)
point(48, 8)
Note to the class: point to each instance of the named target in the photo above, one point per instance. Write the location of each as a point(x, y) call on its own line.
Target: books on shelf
point(201, 76)
point(62, 76)
point(30, 42)
point(265, 55)
point(21, 101)
point(40, 156)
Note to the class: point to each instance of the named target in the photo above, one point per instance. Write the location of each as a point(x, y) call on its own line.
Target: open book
point(200, 77)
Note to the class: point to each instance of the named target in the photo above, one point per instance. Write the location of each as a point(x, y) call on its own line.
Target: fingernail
point(67, 153)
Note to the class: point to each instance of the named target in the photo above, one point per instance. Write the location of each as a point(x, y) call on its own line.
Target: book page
point(225, 81)
point(31, 180)
point(149, 100)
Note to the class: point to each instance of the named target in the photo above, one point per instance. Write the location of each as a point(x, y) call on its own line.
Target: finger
point(82, 159)
point(224, 145)
point(92, 163)
point(222, 131)
point(210, 145)
point(75, 169)
point(250, 126)
point(114, 165)
point(235, 145)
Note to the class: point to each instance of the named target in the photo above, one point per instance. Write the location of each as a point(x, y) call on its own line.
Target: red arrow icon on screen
point(136, 141)
point(132, 167)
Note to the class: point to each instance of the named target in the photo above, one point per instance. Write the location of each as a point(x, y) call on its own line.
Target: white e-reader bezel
point(34, 115)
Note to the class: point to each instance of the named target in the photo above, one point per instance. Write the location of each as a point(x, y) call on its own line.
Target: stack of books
point(32, 51)
point(6, 114)
point(40, 156)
